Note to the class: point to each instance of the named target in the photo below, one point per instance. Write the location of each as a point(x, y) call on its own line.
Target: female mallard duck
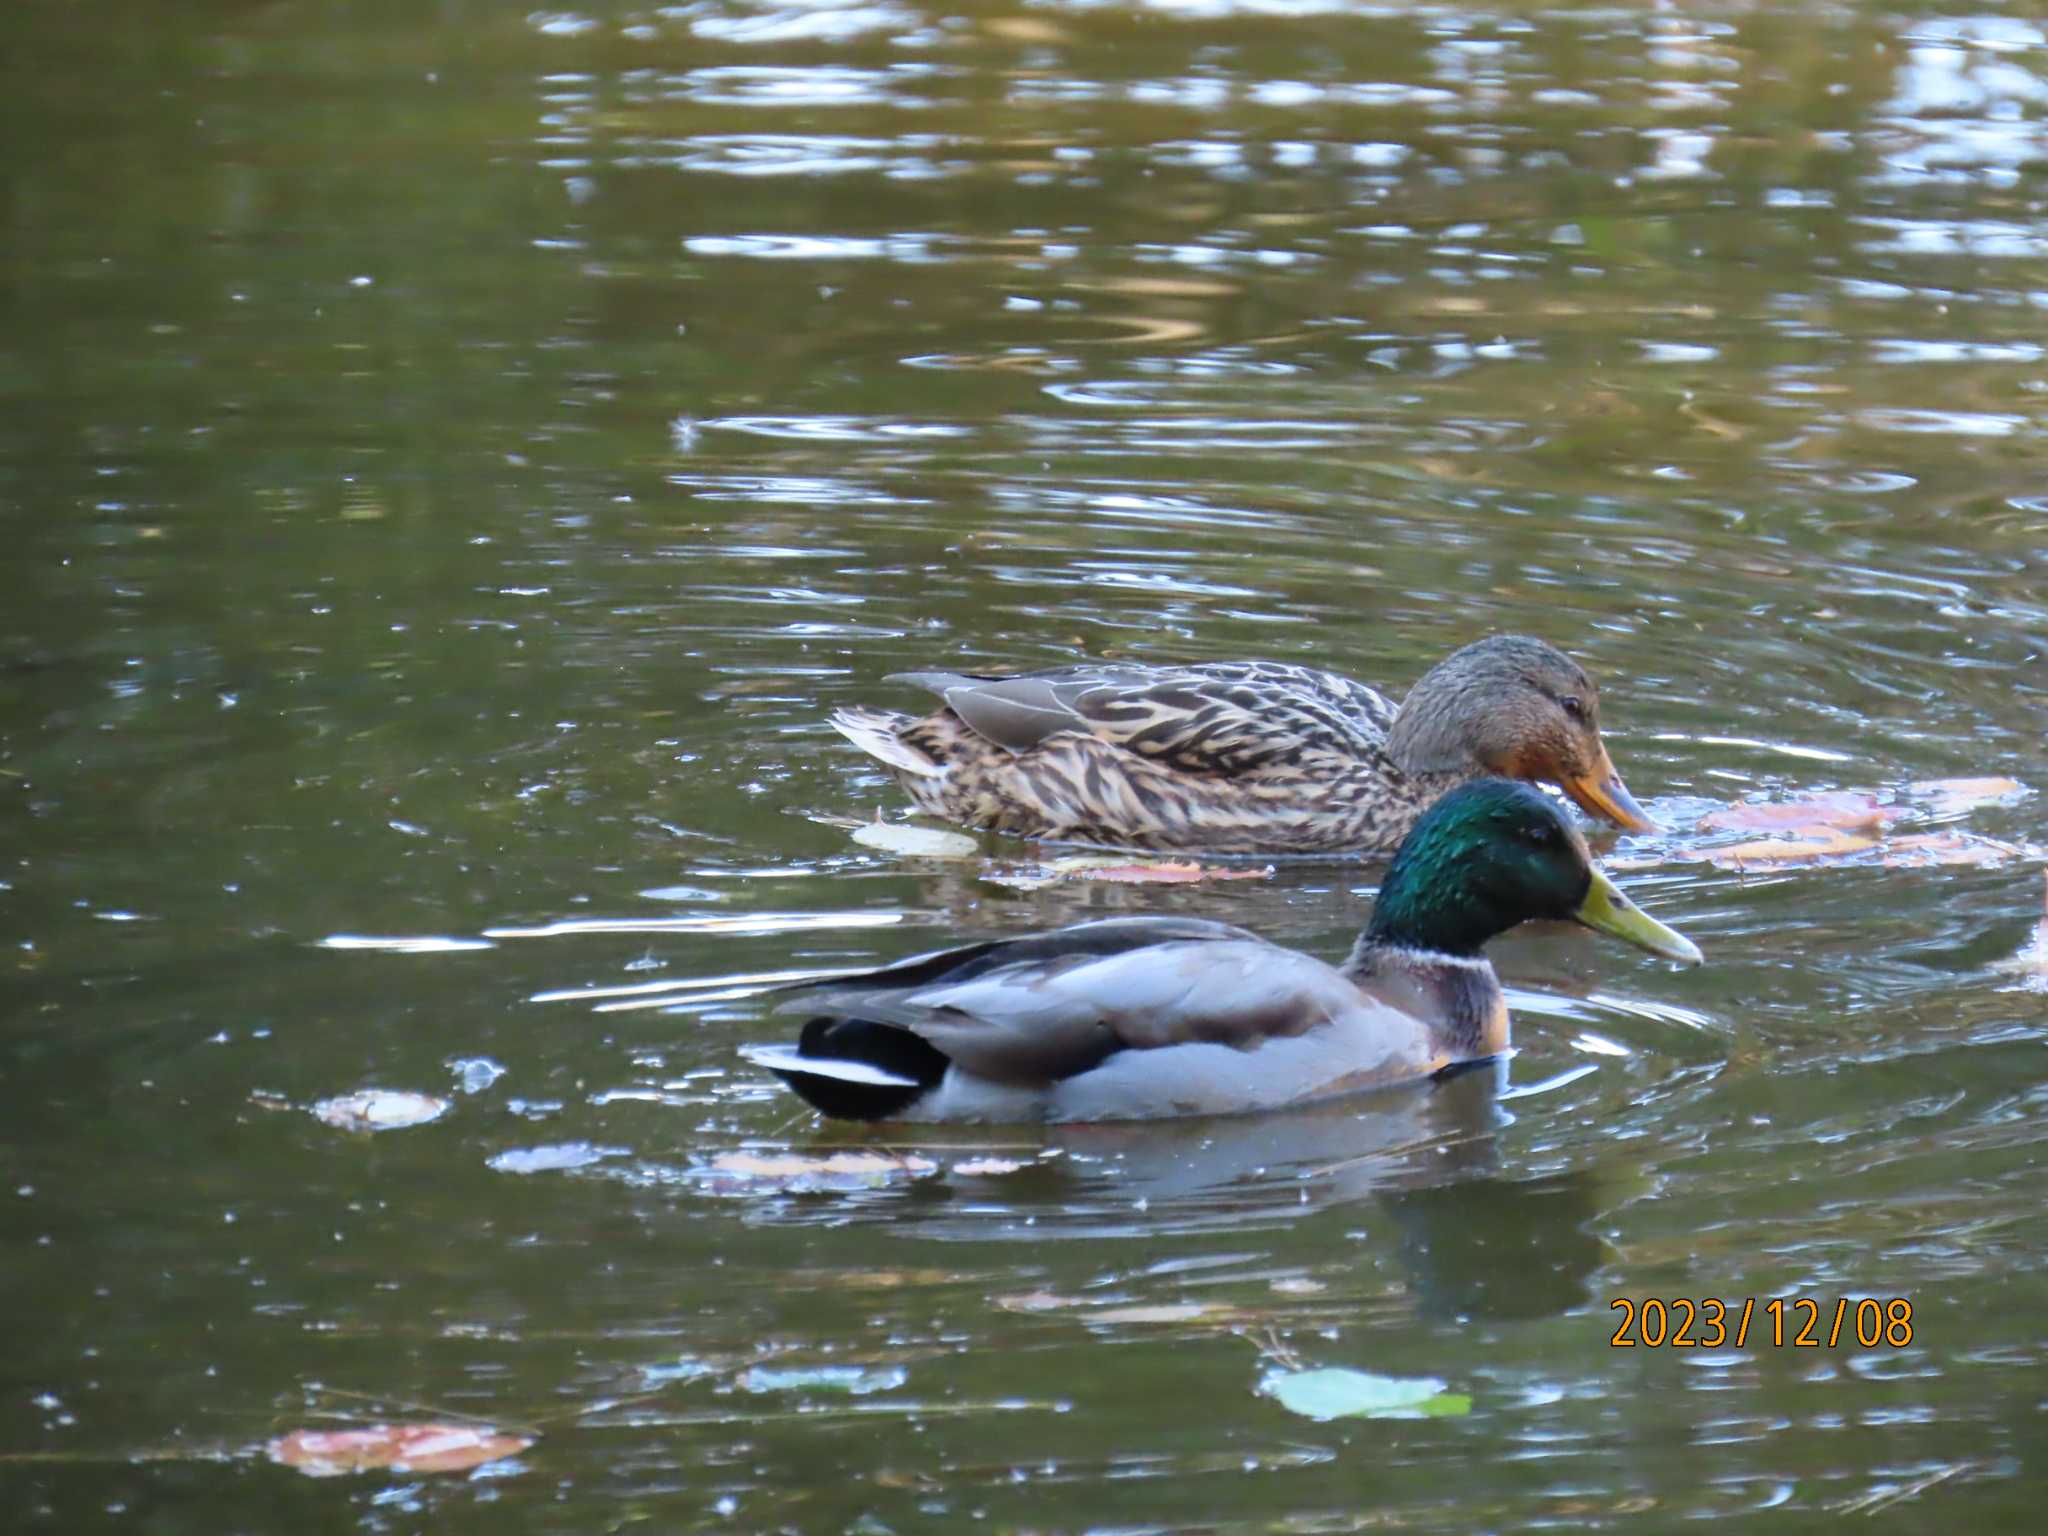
point(1135, 1018)
point(1243, 756)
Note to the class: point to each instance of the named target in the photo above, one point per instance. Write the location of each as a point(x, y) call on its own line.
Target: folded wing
point(1037, 1011)
point(1223, 718)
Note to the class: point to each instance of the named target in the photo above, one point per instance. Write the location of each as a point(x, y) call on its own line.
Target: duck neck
point(1424, 907)
point(1376, 800)
point(1459, 995)
point(1427, 737)
point(1424, 786)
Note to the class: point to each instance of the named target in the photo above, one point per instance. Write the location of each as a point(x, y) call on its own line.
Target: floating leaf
point(913, 842)
point(474, 1074)
point(990, 1165)
point(1951, 797)
point(552, 1159)
point(1840, 823)
point(836, 1278)
point(1147, 1312)
point(1119, 869)
point(1925, 848)
point(1038, 1301)
point(379, 1109)
point(1176, 874)
point(682, 896)
point(398, 1447)
point(1841, 809)
point(855, 1380)
point(1337, 1392)
point(1298, 1285)
point(1780, 850)
point(1165, 1312)
point(755, 1173)
point(1916, 850)
point(2031, 963)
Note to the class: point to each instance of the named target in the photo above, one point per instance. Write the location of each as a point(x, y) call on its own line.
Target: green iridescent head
point(1494, 853)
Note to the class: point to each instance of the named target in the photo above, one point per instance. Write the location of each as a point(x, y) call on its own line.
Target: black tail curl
point(888, 1047)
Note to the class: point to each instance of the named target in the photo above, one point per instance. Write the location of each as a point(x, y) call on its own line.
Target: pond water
point(454, 457)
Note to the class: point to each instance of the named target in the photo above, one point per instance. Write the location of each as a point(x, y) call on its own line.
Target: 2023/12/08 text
point(1802, 1322)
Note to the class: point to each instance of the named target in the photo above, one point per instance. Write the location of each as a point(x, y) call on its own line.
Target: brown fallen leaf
point(398, 1447)
point(1847, 810)
point(1773, 851)
point(1949, 797)
point(1915, 850)
point(1928, 848)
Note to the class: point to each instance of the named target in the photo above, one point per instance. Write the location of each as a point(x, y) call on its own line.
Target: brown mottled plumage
point(1243, 757)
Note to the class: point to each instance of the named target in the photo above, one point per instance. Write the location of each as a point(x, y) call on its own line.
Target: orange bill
point(1601, 793)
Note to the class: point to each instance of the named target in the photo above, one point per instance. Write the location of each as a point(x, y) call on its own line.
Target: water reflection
point(456, 459)
point(1503, 1249)
point(1142, 1180)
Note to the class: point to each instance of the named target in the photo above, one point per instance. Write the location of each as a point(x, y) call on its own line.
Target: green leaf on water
point(1337, 1392)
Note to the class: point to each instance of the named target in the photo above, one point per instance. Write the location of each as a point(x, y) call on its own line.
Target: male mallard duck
point(1141, 1017)
point(1243, 756)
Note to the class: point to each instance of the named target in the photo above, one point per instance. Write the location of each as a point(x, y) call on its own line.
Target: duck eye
point(1574, 706)
point(1541, 833)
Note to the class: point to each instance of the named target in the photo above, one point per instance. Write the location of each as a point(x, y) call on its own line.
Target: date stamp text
point(1681, 1322)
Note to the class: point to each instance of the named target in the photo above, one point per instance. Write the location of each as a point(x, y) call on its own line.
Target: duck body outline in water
point(1243, 756)
point(1149, 1017)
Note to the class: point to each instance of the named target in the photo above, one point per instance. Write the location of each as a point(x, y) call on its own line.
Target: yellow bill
point(1608, 911)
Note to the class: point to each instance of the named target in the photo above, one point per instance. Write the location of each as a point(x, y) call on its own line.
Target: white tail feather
point(786, 1058)
point(875, 734)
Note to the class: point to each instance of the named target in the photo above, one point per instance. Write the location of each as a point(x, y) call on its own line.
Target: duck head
point(1521, 708)
point(1494, 853)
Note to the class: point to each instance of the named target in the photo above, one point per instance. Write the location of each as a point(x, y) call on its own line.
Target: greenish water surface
point(453, 457)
